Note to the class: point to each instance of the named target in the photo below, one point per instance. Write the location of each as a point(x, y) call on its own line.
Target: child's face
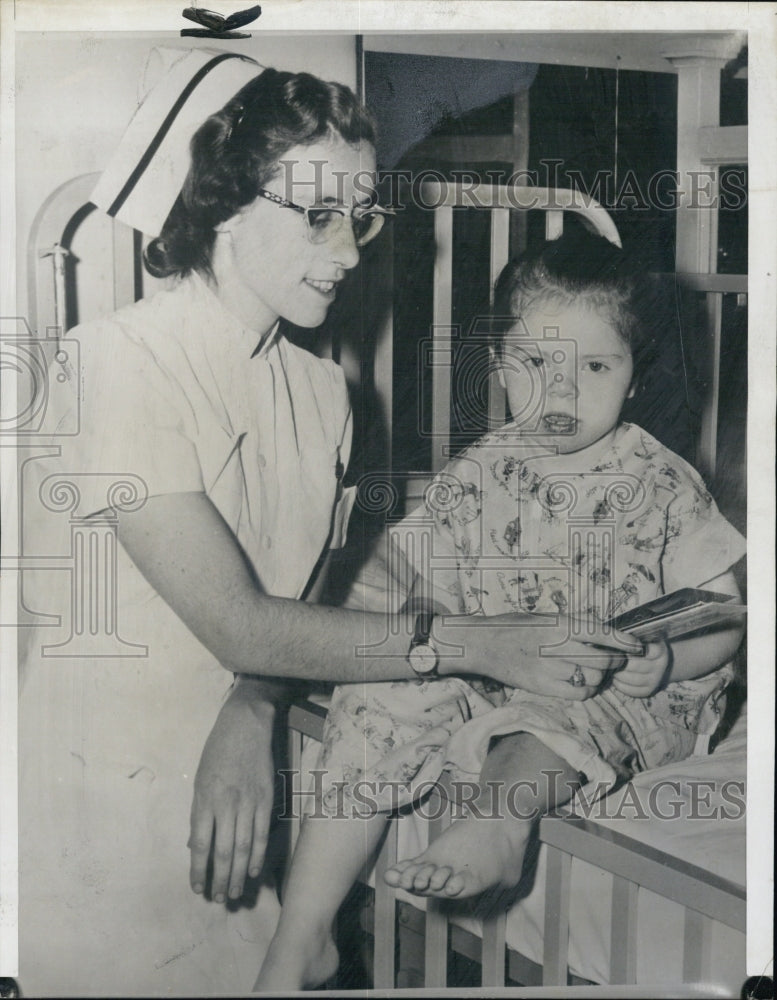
point(567, 374)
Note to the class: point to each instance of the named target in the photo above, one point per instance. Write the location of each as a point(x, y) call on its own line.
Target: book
point(680, 613)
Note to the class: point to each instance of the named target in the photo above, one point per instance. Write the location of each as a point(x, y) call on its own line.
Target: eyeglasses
point(326, 223)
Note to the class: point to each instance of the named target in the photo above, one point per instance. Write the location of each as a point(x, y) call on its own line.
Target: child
point(565, 509)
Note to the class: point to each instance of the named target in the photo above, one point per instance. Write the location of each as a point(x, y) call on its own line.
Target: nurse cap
point(146, 172)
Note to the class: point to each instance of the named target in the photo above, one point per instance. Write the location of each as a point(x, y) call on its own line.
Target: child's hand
point(642, 675)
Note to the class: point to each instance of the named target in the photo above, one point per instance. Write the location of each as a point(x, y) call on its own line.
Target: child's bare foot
point(297, 962)
point(468, 858)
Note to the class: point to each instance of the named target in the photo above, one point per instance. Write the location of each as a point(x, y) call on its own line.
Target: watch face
point(423, 658)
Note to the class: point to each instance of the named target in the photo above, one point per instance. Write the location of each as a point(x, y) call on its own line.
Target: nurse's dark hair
point(582, 267)
point(236, 151)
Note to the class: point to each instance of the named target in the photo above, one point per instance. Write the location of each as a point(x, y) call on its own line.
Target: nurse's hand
point(536, 653)
point(233, 794)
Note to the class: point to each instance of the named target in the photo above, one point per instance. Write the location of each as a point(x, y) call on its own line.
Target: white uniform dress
point(172, 399)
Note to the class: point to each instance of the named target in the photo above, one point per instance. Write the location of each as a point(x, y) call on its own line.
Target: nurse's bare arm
point(233, 788)
point(232, 802)
point(191, 558)
point(189, 555)
point(233, 791)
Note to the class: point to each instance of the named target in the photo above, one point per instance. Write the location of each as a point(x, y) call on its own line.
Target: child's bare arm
point(681, 659)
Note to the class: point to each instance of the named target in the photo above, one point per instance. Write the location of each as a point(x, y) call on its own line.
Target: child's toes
point(423, 877)
point(440, 877)
point(393, 876)
point(407, 880)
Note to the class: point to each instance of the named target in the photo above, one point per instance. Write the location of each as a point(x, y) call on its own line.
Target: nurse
point(257, 190)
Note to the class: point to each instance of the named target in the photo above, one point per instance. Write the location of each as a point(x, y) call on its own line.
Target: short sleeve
point(423, 545)
point(414, 558)
point(700, 542)
point(132, 422)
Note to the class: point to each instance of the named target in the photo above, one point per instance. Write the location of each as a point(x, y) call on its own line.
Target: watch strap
point(423, 628)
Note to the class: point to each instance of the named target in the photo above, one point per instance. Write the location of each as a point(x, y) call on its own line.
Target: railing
point(500, 201)
point(706, 898)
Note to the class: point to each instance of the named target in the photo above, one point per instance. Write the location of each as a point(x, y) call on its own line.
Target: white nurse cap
point(146, 173)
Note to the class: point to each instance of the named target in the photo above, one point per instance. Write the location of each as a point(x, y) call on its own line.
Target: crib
point(616, 858)
point(417, 943)
point(612, 858)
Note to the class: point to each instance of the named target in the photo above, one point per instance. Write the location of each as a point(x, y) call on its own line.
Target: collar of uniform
point(267, 342)
point(228, 325)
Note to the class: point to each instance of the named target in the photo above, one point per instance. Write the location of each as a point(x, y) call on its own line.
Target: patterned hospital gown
point(499, 533)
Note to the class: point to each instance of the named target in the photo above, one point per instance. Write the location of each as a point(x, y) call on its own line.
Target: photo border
point(373, 16)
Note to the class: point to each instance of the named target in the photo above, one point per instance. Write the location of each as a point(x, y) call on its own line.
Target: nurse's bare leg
point(329, 855)
point(521, 780)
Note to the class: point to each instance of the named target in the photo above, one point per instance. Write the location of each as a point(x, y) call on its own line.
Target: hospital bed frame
point(425, 937)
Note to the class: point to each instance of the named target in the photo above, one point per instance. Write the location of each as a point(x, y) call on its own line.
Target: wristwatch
point(422, 655)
